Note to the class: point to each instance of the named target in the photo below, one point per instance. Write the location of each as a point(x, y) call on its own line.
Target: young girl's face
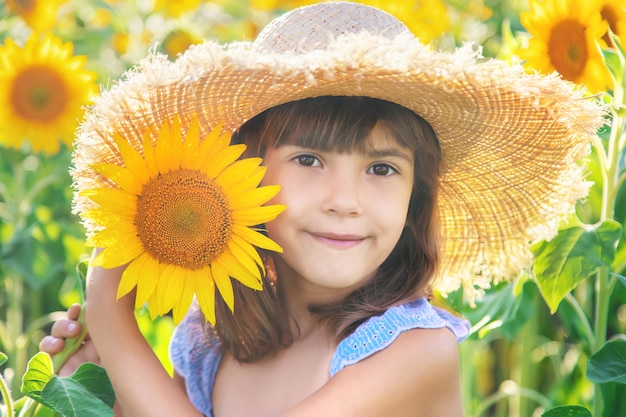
point(345, 211)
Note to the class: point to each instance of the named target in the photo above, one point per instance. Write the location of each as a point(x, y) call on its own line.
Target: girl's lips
point(338, 240)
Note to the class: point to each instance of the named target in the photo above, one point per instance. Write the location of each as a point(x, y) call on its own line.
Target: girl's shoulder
point(381, 331)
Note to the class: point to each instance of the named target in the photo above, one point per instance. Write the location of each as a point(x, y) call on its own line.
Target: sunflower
point(176, 8)
point(427, 19)
point(564, 36)
point(178, 41)
point(182, 216)
point(614, 13)
point(40, 15)
point(43, 89)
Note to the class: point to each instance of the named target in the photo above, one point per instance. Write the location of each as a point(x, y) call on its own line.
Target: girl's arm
point(142, 385)
point(417, 375)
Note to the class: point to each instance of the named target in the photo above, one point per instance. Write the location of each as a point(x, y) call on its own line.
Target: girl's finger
point(64, 328)
point(51, 345)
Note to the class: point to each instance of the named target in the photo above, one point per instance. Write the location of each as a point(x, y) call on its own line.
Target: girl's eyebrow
point(388, 152)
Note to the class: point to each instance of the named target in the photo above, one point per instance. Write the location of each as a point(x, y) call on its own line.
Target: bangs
point(329, 123)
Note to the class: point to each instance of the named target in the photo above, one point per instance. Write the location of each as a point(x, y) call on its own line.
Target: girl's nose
point(342, 195)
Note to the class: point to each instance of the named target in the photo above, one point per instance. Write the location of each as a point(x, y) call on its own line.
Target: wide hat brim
point(511, 141)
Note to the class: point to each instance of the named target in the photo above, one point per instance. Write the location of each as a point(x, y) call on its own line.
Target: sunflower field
point(550, 343)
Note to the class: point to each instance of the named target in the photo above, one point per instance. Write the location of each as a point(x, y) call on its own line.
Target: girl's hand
point(55, 342)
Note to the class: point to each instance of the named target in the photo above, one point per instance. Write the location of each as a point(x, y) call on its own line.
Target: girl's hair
point(261, 323)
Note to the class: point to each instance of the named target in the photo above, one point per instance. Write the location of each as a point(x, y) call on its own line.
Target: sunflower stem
point(71, 344)
point(612, 181)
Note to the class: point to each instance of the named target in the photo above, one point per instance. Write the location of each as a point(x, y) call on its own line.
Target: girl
point(400, 168)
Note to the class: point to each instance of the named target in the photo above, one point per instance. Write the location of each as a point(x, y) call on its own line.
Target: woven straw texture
point(511, 141)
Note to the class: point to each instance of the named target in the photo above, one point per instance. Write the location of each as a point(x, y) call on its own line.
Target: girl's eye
point(307, 160)
point(383, 170)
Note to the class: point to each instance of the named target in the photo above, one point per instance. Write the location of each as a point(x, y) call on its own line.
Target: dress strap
point(378, 332)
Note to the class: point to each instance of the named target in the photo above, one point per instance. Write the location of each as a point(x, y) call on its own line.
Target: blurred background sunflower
point(43, 88)
point(564, 37)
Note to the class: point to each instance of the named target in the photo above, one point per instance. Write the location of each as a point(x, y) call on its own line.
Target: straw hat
point(510, 140)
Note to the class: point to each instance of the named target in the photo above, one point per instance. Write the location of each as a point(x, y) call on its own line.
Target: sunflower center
point(39, 94)
point(24, 5)
point(568, 49)
point(183, 219)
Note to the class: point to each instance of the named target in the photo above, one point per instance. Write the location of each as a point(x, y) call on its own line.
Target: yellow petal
point(115, 199)
point(168, 288)
point(149, 155)
point(114, 236)
point(105, 217)
point(168, 148)
point(129, 279)
point(253, 198)
point(186, 285)
point(234, 269)
point(238, 170)
point(147, 270)
point(205, 293)
point(243, 257)
point(257, 215)
point(132, 160)
point(224, 158)
point(121, 176)
point(121, 253)
point(191, 148)
point(249, 250)
point(249, 183)
point(225, 287)
point(255, 238)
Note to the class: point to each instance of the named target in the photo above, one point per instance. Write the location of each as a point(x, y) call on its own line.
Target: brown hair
point(261, 323)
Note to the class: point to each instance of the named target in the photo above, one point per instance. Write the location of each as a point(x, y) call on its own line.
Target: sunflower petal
point(128, 281)
point(222, 160)
point(205, 293)
point(121, 176)
point(148, 271)
point(257, 215)
point(238, 170)
point(121, 254)
point(234, 269)
point(244, 257)
point(255, 238)
point(191, 148)
point(149, 155)
point(254, 197)
point(113, 236)
point(115, 199)
point(249, 183)
point(132, 160)
point(225, 287)
point(186, 285)
point(249, 250)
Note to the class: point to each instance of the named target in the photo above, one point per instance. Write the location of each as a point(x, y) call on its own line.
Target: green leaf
point(567, 411)
point(506, 307)
point(87, 392)
point(38, 373)
point(572, 256)
point(609, 363)
point(3, 358)
point(620, 278)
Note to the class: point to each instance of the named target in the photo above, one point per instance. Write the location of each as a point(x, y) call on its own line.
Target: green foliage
point(573, 255)
point(609, 363)
point(567, 411)
point(86, 392)
point(539, 343)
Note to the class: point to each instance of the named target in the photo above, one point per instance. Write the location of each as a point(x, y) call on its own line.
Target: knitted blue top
point(195, 354)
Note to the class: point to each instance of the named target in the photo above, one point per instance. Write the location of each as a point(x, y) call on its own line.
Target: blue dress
point(196, 356)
